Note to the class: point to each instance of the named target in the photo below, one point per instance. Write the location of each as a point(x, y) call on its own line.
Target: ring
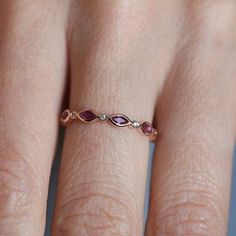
point(118, 120)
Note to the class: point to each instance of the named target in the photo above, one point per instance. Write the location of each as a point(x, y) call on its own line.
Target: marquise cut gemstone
point(147, 128)
point(120, 120)
point(87, 116)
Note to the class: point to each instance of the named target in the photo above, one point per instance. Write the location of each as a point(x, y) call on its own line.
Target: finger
point(32, 70)
point(103, 169)
point(196, 120)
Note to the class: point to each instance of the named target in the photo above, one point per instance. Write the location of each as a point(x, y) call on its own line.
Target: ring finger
point(103, 169)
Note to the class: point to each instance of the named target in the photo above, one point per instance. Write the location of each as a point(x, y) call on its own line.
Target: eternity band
point(118, 120)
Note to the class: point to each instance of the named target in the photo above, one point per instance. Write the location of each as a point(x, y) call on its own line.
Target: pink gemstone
point(87, 116)
point(147, 128)
point(65, 117)
point(65, 114)
point(120, 120)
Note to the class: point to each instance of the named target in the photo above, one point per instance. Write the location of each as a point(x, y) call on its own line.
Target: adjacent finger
point(32, 72)
point(196, 120)
point(103, 169)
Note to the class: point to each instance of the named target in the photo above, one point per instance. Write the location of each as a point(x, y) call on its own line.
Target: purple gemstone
point(87, 116)
point(147, 128)
point(120, 120)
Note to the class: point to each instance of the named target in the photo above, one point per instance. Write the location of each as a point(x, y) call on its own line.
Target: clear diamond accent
point(135, 124)
point(103, 117)
point(73, 114)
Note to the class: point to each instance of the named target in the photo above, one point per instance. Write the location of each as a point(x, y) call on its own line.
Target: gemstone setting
point(87, 116)
point(65, 117)
point(135, 124)
point(120, 120)
point(73, 115)
point(103, 117)
point(147, 128)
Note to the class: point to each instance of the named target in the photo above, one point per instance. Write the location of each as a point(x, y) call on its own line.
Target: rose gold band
point(118, 120)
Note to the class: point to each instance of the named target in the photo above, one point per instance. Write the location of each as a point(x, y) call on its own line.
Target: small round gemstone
point(147, 128)
point(135, 124)
point(102, 117)
point(73, 114)
point(65, 115)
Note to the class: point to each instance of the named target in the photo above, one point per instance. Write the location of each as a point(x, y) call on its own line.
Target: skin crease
point(172, 60)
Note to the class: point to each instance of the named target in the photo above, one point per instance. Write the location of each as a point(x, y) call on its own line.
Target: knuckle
point(203, 22)
point(94, 214)
point(193, 212)
point(17, 192)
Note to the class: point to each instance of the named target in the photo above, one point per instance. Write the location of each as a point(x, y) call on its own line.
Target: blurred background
point(53, 185)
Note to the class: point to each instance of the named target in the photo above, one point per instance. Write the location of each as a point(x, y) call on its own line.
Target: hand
point(172, 60)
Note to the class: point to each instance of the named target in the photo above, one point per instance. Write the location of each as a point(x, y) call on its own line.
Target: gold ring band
point(118, 120)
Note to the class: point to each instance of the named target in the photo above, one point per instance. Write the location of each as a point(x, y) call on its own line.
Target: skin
point(173, 62)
